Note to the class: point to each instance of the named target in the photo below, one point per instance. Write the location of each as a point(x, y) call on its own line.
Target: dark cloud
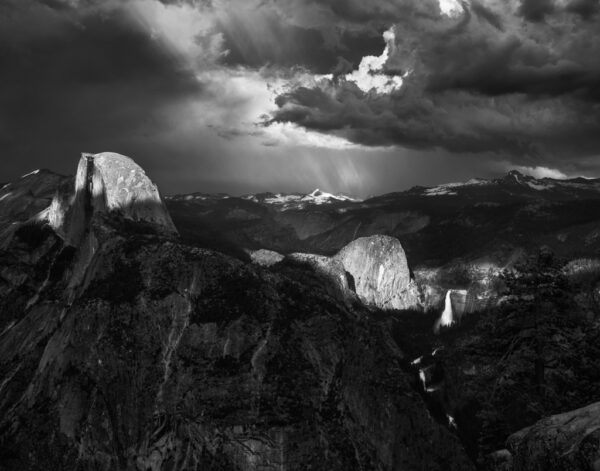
point(496, 68)
point(406, 119)
point(536, 10)
point(585, 8)
point(286, 45)
point(473, 88)
point(97, 83)
point(488, 15)
point(524, 131)
point(316, 33)
point(342, 67)
point(359, 11)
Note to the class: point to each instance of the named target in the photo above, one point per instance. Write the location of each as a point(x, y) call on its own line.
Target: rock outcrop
point(380, 272)
point(563, 442)
point(335, 280)
point(22, 199)
point(107, 183)
point(265, 258)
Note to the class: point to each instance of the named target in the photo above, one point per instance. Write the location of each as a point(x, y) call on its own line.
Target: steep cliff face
point(107, 183)
point(380, 272)
point(336, 281)
point(132, 351)
point(168, 357)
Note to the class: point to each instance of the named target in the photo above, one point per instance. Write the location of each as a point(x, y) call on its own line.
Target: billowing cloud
point(481, 80)
point(371, 75)
point(451, 8)
point(287, 84)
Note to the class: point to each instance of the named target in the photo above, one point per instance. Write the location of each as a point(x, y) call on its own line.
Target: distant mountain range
point(283, 201)
point(516, 184)
point(513, 183)
point(479, 221)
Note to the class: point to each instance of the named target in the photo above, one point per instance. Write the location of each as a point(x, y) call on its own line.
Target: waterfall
point(447, 317)
point(423, 378)
point(451, 421)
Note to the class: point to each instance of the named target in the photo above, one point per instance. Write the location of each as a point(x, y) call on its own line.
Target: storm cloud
point(494, 78)
point(196, 89)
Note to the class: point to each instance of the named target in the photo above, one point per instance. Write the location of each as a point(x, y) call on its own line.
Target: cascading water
point(423, 379)
point(447, 317)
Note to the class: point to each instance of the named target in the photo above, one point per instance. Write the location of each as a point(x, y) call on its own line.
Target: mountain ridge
point(512, 180)
point(318, 196)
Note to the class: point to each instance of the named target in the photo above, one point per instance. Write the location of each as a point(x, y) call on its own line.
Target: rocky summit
point(138, 352)
point(372, 269)
point(107, 183)
point(380, 272)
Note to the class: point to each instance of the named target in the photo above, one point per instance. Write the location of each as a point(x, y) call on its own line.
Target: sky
point(354, 96)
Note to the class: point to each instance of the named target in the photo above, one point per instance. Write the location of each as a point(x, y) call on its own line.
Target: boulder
point(380, 272)
point(501, 460)
point(265, 258)
point(562, 442)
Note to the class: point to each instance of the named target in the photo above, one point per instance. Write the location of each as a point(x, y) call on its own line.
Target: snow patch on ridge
point(35, 172)
point(300, 201)
point(322, 197)
point(540, 186)
point(447, 189)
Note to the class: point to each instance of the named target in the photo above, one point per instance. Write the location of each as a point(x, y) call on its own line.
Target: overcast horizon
point(246, 96)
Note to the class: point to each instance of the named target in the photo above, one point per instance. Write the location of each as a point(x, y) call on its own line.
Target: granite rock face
point(265, 258)
point(563, 442)
point(168, 357)
point(22, 199)
point(336, 281)
point(380, 272)
point(107, 183)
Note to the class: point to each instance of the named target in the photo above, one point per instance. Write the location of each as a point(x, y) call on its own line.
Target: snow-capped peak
point(514, 177)
point(298, 200)
point(322, 197)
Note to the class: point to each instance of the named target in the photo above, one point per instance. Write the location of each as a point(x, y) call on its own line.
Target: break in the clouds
point(249, 95)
